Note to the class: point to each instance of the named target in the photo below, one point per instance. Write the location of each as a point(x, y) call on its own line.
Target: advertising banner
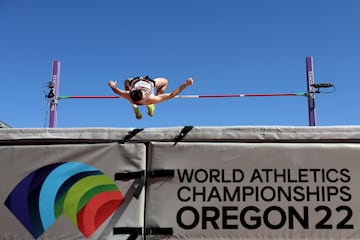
point(255, 190)
point(69, 191)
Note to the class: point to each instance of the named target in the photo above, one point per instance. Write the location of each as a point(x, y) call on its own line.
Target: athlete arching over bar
point(140, 91)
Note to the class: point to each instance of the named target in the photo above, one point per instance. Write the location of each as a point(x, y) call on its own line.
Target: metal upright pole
point(54, 85)
point(310, 91)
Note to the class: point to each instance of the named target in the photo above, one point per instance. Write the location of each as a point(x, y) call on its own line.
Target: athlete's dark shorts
point(136, 79)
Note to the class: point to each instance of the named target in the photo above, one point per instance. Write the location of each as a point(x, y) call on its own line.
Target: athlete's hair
point(136, 95)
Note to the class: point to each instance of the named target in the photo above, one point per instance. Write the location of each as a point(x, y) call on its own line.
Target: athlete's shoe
point(137, 113)
point(151, 109)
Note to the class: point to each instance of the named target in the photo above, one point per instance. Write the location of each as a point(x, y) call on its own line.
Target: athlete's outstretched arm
point(118, 91)
point(177, 91)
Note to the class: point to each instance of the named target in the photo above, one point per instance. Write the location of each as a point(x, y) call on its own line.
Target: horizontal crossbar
point(201, 96)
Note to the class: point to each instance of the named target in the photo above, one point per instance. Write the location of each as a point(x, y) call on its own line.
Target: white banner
point(69, 191)
point(256, 190)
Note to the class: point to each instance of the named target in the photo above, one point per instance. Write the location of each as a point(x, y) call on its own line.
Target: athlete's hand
point(189, 81)
point(112, 84)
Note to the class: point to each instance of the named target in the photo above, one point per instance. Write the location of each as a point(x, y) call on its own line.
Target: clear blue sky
point(227, 46)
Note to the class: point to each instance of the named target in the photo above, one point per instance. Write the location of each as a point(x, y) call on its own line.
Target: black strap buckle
point(182, 134)
point(130, 135)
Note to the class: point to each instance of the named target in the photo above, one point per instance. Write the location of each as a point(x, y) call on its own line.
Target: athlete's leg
point(136, 111)
point(134, 106)
point(161, 85)
point(151, 109)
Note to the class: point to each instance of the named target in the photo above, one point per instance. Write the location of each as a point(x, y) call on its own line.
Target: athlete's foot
point(151, 109)
point(137, 113)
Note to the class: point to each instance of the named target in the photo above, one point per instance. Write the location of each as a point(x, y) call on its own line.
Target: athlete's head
point(136, 95)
